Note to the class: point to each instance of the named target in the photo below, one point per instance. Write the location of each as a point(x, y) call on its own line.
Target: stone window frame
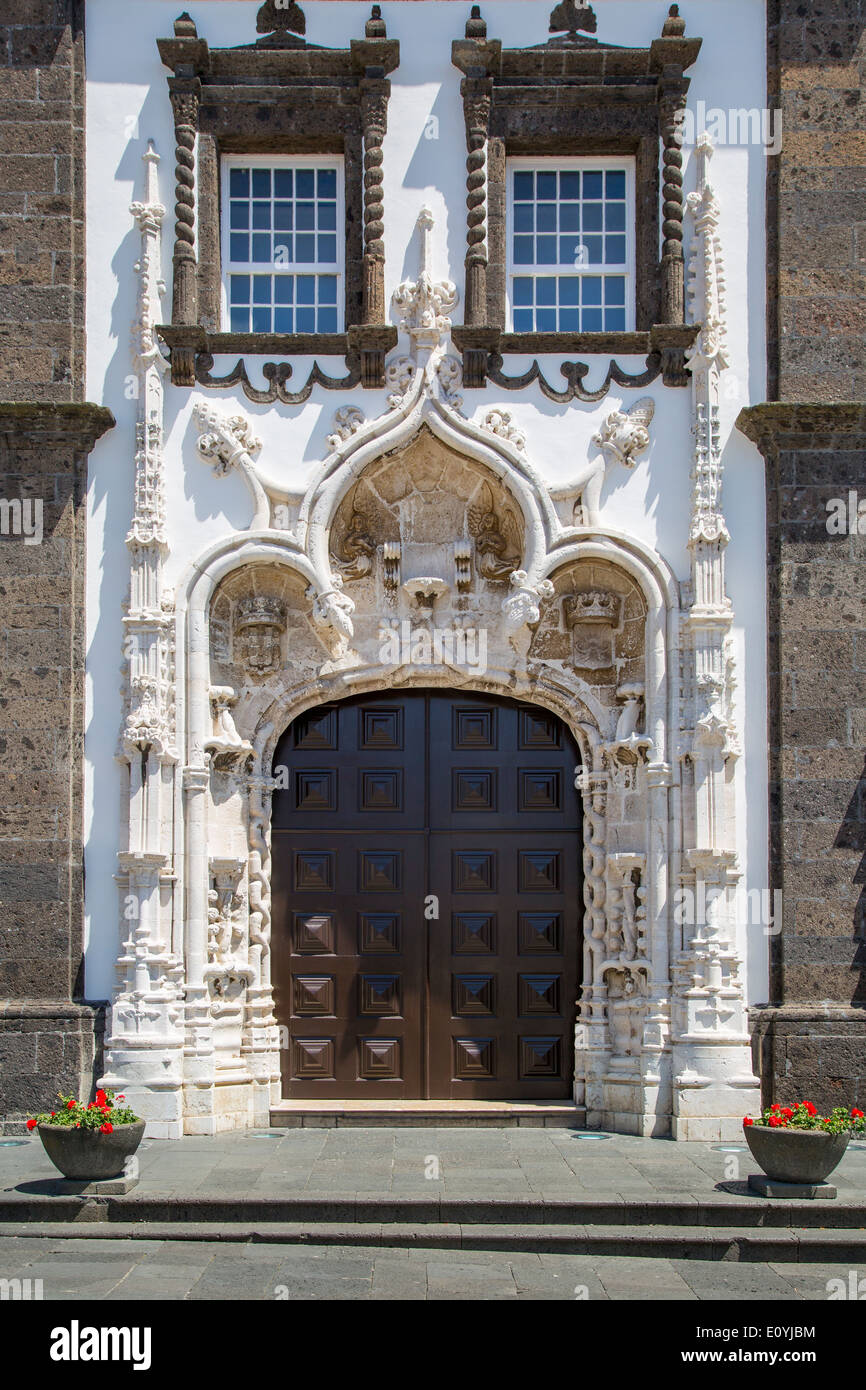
point(278, 96)
point(592, 99)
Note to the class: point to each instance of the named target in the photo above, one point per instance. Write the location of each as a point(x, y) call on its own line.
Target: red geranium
point(70, 1105)
point(31, 1124)
point(748, 1120)
point(857, 1115)
point(106, 1128)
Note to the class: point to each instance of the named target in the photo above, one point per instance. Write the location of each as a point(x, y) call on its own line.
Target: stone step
point(141, 1211)
point(788, 1246)
point(445, 1114)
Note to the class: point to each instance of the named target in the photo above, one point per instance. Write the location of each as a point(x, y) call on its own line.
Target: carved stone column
point(374, 121)
point(672, 97)
point(185, 98)
point(476, 93)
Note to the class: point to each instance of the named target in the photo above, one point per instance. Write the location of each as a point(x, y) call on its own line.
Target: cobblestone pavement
point(117, 1271)
point(454, 1163)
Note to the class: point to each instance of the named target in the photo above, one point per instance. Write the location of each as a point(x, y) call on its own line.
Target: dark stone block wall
point(49, 1036)
point(811, 1041)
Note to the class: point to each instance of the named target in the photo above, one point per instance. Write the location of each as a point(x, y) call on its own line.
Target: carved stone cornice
point(73, 423)
point(774, 425)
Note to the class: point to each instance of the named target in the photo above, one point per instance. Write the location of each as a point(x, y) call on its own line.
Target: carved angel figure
point(495, 560)
point(357, 550)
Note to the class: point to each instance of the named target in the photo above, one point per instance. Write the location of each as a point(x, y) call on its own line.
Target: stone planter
point(795, 1155)
point(87, 1155)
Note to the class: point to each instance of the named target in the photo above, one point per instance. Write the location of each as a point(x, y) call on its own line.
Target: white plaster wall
point(127, 104)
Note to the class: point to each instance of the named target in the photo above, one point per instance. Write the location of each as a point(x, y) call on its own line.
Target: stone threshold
point(327, 1114)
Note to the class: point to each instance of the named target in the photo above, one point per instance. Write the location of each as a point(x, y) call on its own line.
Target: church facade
point(421, 517)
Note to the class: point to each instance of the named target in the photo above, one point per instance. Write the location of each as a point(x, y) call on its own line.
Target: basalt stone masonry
point(812, 434)
point(48, 1035)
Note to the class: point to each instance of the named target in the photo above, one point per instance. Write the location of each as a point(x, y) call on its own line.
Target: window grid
point(570, 247)
point(281, 245)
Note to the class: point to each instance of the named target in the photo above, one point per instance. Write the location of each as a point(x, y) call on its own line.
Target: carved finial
point(375, 26)
point(674, 25)
point(281, 16)
point(184, 27)
point(567, 16)
point(476, 27)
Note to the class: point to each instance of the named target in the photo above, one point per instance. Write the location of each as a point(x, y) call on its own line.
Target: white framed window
point(283, 244)
point(571, 245)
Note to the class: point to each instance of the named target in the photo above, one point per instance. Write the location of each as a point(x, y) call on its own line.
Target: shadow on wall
point(852, 836)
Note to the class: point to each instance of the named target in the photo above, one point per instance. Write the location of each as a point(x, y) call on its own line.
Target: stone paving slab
point(151, 1271)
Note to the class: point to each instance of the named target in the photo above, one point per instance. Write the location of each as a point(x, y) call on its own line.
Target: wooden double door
point(426, 899)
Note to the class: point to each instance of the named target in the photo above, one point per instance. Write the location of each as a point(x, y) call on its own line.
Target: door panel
point(389, 800)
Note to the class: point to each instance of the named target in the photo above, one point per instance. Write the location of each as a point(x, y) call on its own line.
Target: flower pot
point(795, 1155)
point(88, 1155)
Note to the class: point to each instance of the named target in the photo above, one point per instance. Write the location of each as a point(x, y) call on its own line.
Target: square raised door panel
point(473, 728)
point(379, 933)
point(381, 790)
point(473, 789)
point(474, 1059)
point(380, 871)
point(473, 995)
point(538, 729)
point(316, 790)
point(381, 728)
point(316, 729)
point(539, 1057)
point(473, 871)
point(314, 870)
point(313, 1059)
point(539, 871)
point(312, 995)
point(379, 1059)
point(539, 994)
point(473, 933)
point(538, 933)
point(379, 995)
point(539, 789)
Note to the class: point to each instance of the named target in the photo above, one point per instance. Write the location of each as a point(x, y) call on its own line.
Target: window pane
point(261, 183)
point(569, 250)
point(305, 183)
point(594, 250)
point(591, 293)
point(569, 290)
point(615, 183)
point(262, 289)
point(261, 247)
point(546, 217)
point(569, 217)
point(545, 250)
point(239, 247)
point(261, 215)
point(545, 320)
point(283, 249)
point(327, 183)
point(614, 217)
point(523, 320)
point(305, 320)
point(284, 321)
point(283, 183)
point(239, 289)
point(614, 320)
point(569, 320)
point(239, 183)
point(240, 320)
point(327, 217)
point(545, 185)
point(569, 184)
point(523, 185)
point(545, 290)
point(592, 180)
point(614, 289)
point(261, 320)
point(592, 321)
point(327, 320)
point(614, 250)
point(523, 250)
point(284, 289)
point(327, 289)
point(522, 290)
point(328, 249)
point(305, 247)
point(593, 217)
point(306, 289)
point(283, 217)
point(239, 216)
point(524, 217)
point(306, 216)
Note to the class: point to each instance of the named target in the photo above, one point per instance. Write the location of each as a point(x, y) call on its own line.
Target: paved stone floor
point(117, 1271)
point(411, 1162)
point(424, 1162)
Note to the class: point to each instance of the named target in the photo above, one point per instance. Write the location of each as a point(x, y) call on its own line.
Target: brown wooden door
point(426, 899)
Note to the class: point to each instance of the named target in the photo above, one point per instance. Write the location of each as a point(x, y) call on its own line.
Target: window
point(282, 243)
point(571, 245)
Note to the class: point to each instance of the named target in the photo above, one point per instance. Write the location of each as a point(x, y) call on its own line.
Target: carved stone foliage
point(625, 433)
point(423, 306)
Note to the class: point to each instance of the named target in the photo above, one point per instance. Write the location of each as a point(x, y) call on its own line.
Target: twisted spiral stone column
point(476, 111)
point(673, 279)
point(374, 117)
point(185, 98)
